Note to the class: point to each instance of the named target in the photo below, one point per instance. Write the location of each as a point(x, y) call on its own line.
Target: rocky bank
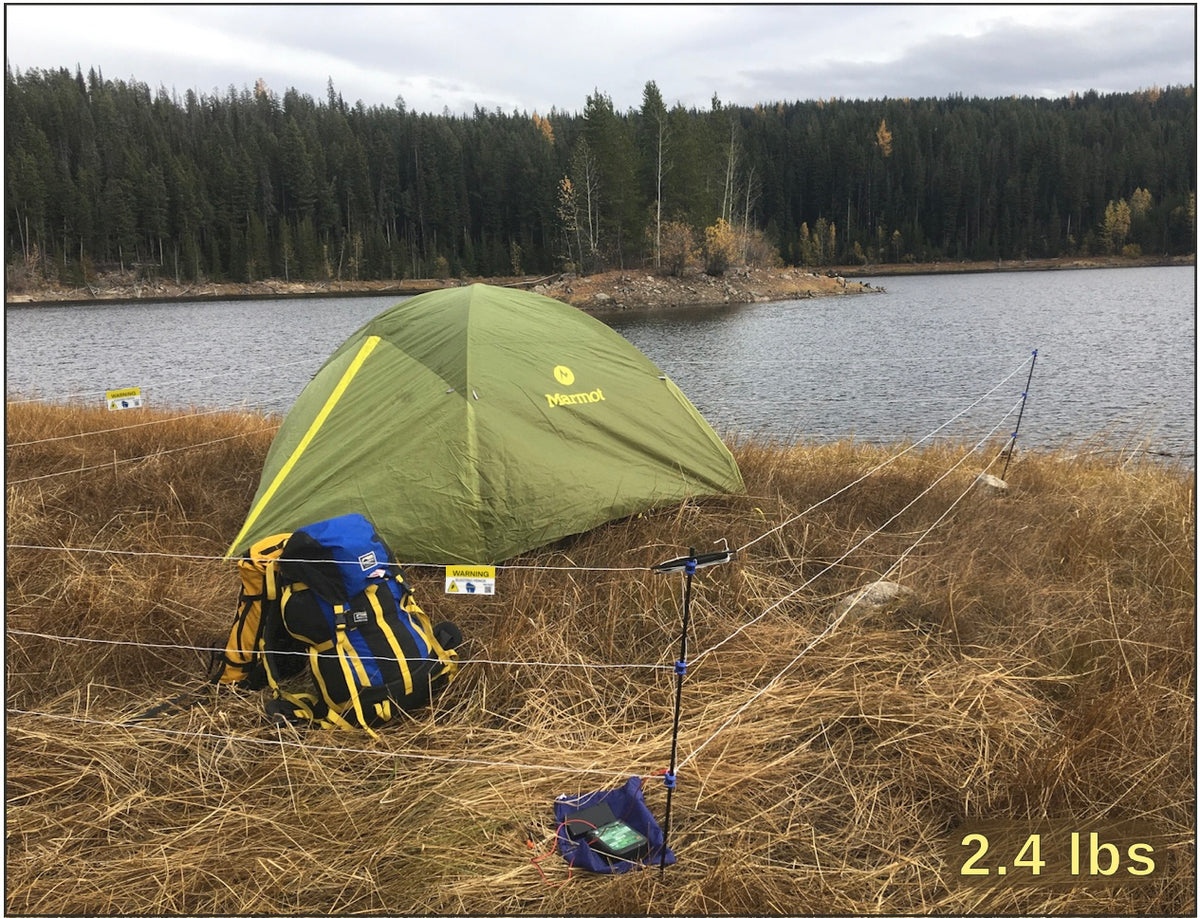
point(603, 292)
point(607, 291)
point(617, 290)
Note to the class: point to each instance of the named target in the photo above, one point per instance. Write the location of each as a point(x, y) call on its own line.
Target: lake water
point(1116, 356)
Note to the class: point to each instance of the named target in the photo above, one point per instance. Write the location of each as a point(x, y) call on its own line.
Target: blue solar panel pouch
point(610, 831)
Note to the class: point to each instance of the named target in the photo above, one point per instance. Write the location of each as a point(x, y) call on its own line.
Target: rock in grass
point(992, 484)
point(880, 596)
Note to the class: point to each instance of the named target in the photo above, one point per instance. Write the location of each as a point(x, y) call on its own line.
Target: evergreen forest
point(103, 174)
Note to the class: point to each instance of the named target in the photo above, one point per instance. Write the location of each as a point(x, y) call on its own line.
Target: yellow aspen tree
point(543, 125)
point(1140, 202)
point(808, 255)
point(883, 139)
point(568, 215)
point(678, 247)
point(1116, 225)
point(720, 247)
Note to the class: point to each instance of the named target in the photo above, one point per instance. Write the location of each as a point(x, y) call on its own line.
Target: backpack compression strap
point(310, 707)
point(345, 651)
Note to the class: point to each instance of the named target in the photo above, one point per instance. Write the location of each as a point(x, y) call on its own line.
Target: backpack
point(331, 596)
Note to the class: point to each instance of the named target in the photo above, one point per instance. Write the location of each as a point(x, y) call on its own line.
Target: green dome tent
point(471, 424)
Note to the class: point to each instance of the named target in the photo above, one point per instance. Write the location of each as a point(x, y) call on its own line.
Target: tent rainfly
point(474, 423)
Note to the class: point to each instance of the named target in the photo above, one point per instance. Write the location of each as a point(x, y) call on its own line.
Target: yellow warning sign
point(119, 399)
point(471, 579)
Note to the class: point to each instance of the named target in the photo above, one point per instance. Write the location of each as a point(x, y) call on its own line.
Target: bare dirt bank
point(1028, 264)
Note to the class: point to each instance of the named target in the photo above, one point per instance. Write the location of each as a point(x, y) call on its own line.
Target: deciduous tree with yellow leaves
point(720, 247)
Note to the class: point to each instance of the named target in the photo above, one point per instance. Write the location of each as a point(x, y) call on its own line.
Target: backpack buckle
point(344, 618)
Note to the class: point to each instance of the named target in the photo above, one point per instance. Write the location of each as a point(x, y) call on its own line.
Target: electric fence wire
point(829, 629)
point(311, 747)
point(76, 397)
point(199, 648)
point(154, 455)
point(573, 568)
point(81, 550)
point(572, 769)
point(868, 537)
point(890, 460)
point(108, 430)
point(99, 394)
point(515, 663)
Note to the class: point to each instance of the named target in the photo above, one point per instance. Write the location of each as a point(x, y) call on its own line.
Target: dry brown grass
point(1043, 667)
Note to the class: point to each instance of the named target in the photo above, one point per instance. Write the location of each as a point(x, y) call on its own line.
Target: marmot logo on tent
point(565, 376)
point(574, 398)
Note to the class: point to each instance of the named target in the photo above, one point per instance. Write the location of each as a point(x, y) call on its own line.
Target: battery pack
point(611, 838)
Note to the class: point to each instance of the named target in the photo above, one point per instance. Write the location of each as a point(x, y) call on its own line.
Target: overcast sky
point(537, 57)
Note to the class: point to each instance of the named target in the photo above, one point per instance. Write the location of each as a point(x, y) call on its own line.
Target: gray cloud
point(535, 57)
point(1010, 59)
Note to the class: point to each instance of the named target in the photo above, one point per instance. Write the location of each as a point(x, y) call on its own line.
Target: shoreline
point(1078, 263)
point(602, 292)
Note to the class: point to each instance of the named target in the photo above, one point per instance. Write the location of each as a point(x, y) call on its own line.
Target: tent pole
point(1024, 396)
point(680, 672)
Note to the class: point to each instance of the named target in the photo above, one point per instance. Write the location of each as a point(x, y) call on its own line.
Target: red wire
point(537, 861)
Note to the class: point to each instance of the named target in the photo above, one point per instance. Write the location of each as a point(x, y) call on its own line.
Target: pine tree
point(654, 132)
